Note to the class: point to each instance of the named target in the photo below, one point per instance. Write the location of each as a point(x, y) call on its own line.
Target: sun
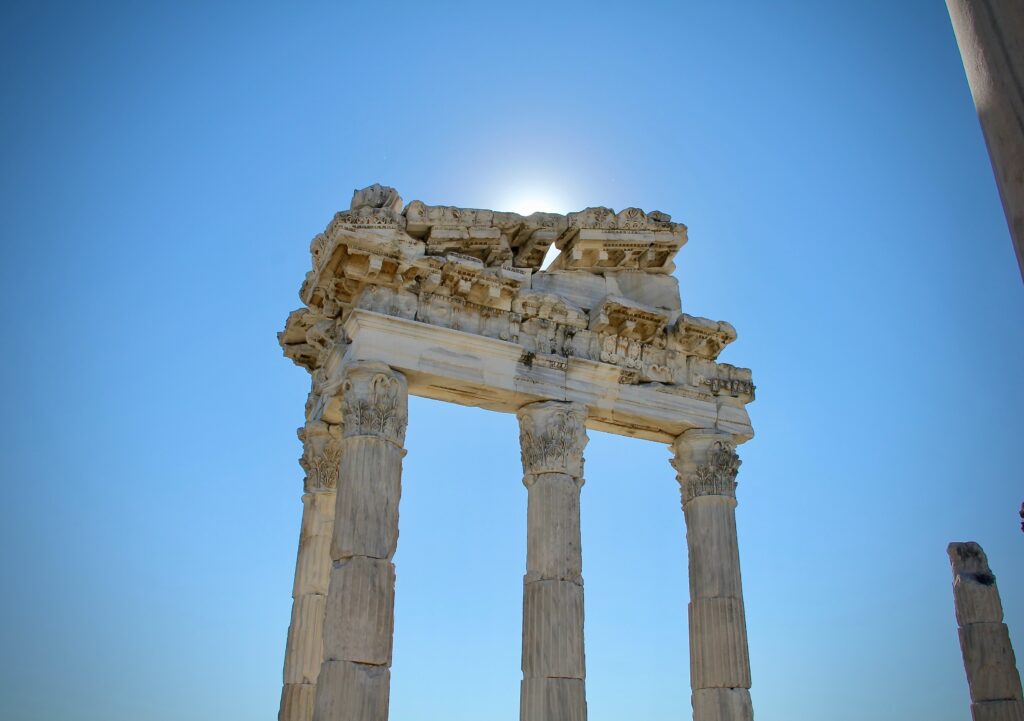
point(534, 200)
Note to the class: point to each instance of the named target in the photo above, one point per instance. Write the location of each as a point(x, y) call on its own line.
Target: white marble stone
point(451, 303)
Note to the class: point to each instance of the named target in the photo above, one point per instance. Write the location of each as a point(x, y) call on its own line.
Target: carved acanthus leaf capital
point(706, 463)
point(552, 437)
point(321, 455)
point(374, 402)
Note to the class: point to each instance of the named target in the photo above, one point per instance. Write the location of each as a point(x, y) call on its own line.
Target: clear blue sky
point(164, 168)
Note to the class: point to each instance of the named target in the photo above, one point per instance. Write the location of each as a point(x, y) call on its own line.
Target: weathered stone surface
point(975, 595)
point(659, 291)
point(305, 650)
point(553, 630)
point(297, 701)
point(553, 528)
point(998, 711)
point(360, 611)
point(991, 40)
point(713, 550)
point(313, 563)
point(552, 699)
point(366, 515)
point(990, 662)
point(350, 691)
point(984, 640)
point(718, 644)
point(722, 704)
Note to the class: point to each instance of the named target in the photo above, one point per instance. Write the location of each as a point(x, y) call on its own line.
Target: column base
point(348, 691)
point(297, 701)
point(552, 699)
point(722, 704)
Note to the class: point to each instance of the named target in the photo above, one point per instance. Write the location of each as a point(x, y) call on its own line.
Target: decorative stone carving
point(320, 456)
point(701, 337)
point(707, 465)
point(373, 402)
point(477, 272)
point(552, 437)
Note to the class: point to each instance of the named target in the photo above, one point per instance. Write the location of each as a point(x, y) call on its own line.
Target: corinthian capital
point(706, 464)
point(321, 455)
point(374, 402)
point(552, 437)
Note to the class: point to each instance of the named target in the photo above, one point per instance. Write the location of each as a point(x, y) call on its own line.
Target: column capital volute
point(552, 436)
point(321, 455)
point(374, 401)
point(706, 463)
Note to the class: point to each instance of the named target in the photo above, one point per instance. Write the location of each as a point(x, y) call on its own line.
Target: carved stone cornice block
point(552, 436)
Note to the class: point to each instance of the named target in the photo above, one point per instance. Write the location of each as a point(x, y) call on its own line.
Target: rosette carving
point(552, 437)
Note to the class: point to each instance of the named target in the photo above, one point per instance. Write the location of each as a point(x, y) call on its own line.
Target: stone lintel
point(474, 370)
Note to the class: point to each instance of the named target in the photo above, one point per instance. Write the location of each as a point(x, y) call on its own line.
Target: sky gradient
point(164, 169)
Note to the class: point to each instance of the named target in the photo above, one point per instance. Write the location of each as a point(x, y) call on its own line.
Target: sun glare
point(535, 201)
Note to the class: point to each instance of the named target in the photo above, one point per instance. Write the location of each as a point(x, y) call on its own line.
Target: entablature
point(607, 304)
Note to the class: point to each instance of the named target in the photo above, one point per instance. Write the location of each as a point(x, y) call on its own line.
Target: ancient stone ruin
point(452, 304)
point(984, 639)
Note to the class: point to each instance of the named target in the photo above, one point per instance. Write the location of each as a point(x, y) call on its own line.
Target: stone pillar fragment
point(984, 639)
point(990, 34)
point(552, 438)
point(707, 464)
point(355, 678)
point(304, 650)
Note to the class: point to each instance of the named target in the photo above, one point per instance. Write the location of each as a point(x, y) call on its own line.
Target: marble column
point(707, 463)
point(984, 639)
point(304, 650)
point(355, 678)
point(990, 34)
point(552, 437)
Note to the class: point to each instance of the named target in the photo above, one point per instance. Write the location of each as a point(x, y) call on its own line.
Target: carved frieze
point(552, 437)
point(476, 271)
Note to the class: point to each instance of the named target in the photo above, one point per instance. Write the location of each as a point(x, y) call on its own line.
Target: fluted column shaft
point(719, 664)
point(355, 677)
point(984, 639)
point(990, 34)
point(304, 650)
point(552, 438)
